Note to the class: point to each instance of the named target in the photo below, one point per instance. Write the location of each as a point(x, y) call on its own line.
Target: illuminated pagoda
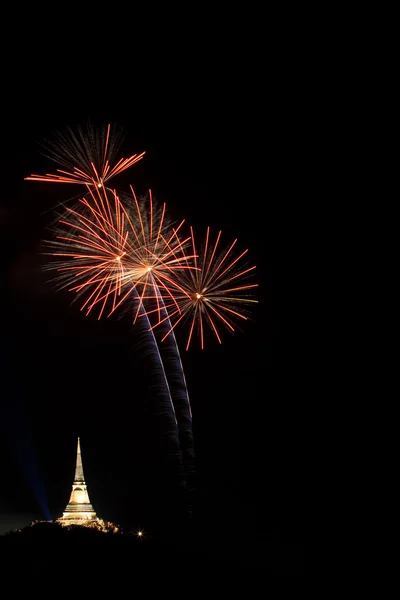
point(79, 510)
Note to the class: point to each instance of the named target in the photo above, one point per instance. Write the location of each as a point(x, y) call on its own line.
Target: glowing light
point(139, 533)
point(198, 295)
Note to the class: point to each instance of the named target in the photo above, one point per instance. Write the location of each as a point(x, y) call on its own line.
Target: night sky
point(65, 375)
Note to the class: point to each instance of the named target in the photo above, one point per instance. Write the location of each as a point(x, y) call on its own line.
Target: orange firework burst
point(107, 249)
point(214, 293)
point(88, 156)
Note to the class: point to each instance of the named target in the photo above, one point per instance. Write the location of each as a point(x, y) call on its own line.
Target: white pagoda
point(79, 510)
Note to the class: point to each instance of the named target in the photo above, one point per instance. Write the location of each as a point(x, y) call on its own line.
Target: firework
point(88, 157)
point(105, 249)
point(214, 294)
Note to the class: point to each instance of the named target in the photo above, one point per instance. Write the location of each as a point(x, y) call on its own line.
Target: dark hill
point(46, 547)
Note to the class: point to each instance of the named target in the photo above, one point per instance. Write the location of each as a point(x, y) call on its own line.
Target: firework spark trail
point(177, 381)
point(161, 387)
point(88, 155)
point(157, 354)
point(213, 293)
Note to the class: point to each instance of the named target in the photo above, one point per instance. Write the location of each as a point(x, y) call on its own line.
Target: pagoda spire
point(79, 476)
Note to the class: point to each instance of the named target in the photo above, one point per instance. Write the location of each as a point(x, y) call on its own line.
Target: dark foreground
point(45, 547)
